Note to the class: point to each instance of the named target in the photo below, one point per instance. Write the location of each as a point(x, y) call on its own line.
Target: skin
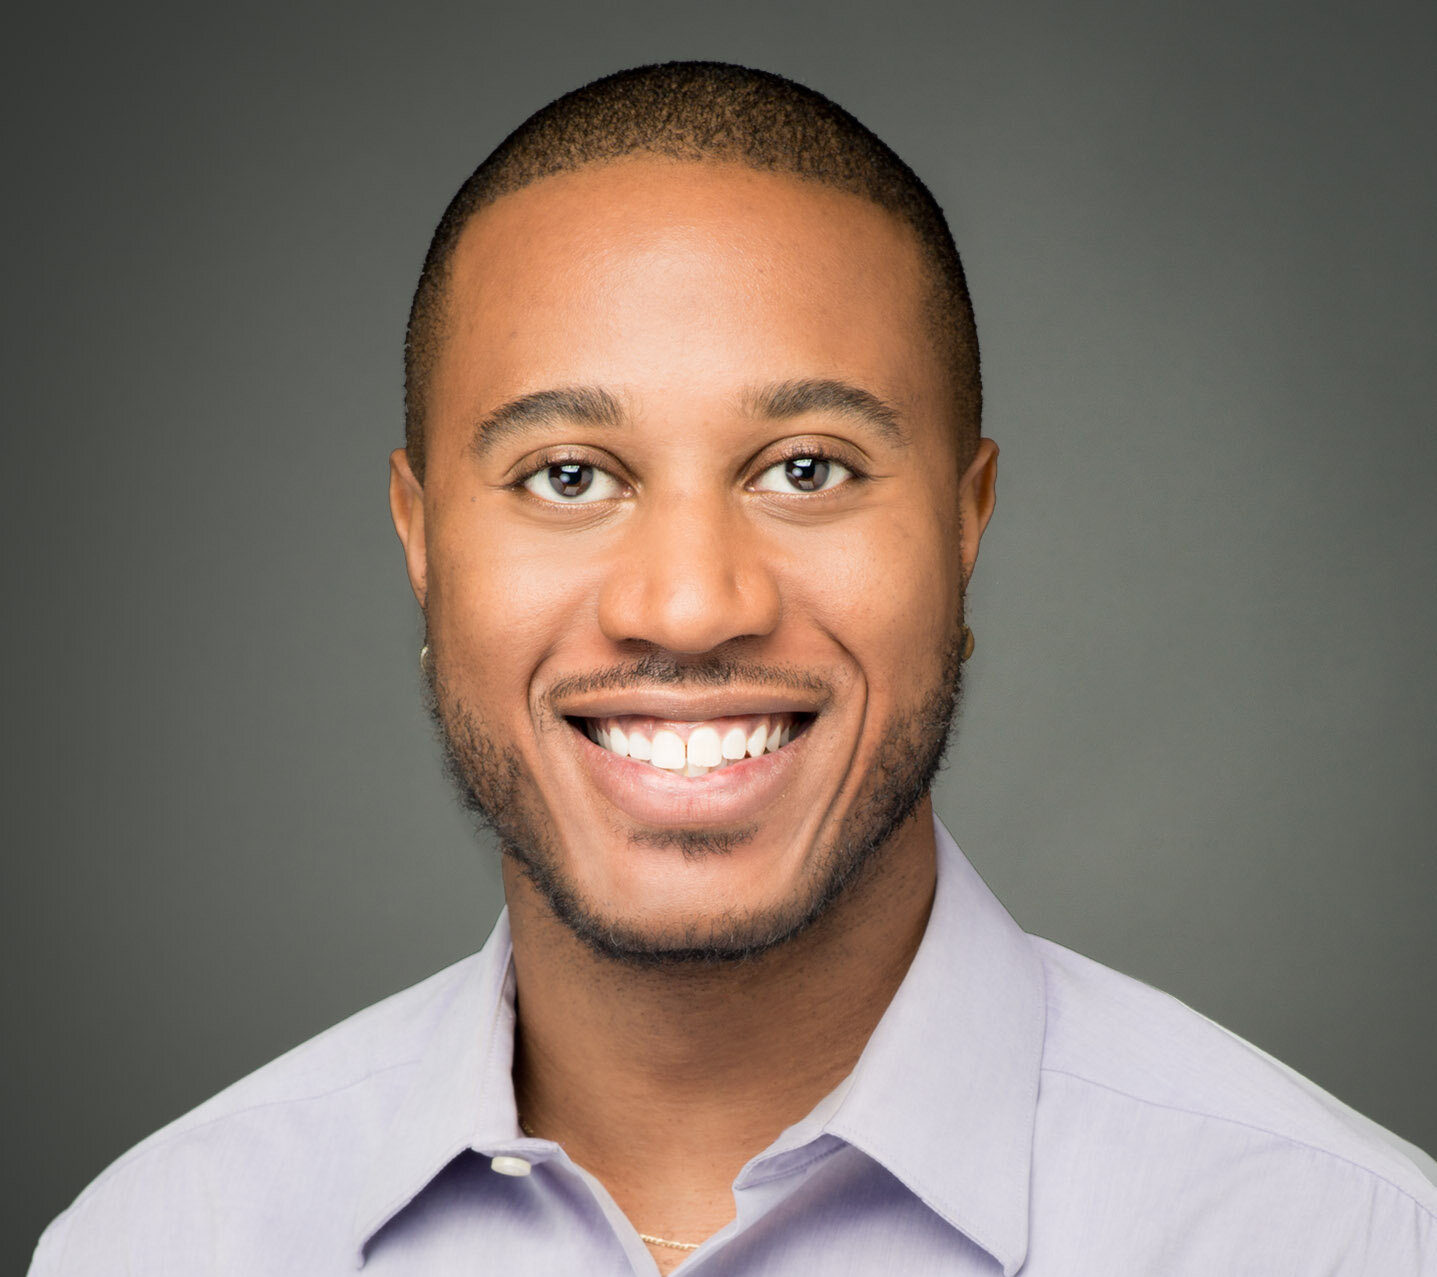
point(678, 288)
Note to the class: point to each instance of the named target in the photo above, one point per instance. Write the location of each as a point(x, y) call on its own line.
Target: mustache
point(663, 669)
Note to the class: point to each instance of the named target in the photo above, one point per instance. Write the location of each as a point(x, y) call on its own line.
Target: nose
point(689, 577)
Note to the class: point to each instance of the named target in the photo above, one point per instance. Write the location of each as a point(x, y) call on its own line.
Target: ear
point(977, 495)
point(406, 507)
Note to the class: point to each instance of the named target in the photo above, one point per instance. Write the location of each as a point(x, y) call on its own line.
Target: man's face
point(691, 544)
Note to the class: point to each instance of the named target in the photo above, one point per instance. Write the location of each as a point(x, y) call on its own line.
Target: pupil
point(807, 473)
point(570, 479)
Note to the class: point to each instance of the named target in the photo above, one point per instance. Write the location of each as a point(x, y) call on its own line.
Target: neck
point(675, 1077)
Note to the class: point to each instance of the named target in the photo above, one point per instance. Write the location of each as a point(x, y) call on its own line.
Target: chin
point(675, 930)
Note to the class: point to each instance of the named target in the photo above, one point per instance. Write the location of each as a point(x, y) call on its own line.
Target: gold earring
point(967, 642)
point(424, 660)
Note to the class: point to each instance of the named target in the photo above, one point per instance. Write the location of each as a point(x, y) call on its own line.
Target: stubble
point(493, 784)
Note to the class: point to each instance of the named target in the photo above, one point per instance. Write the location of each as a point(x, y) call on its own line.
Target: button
point(510, 1165)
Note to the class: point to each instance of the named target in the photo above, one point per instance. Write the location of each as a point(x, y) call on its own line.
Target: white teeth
point(704, 747)
point(704, 750)
point(756, 741)
point(669, 751)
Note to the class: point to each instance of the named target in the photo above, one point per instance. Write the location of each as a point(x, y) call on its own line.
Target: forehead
point(658, 276)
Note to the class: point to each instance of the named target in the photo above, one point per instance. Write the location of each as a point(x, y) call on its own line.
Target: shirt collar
point(944, 1095)
point(461, 1093)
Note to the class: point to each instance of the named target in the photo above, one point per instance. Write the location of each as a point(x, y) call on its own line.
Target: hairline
point(438, 275)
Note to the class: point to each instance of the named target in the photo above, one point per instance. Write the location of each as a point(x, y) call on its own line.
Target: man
point(692, 489)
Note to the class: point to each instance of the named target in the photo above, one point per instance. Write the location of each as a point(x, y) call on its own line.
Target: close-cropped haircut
point(698, 112)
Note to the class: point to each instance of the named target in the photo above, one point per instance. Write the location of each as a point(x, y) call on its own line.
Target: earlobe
point(406, 508)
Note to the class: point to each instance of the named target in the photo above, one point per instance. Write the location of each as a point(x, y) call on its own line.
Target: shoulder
point(287, 1133)
point(1162, 1102)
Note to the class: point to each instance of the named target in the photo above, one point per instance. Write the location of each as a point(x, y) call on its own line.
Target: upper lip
point(688, 705)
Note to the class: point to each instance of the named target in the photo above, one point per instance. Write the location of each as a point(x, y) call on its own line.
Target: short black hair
point(701, 111)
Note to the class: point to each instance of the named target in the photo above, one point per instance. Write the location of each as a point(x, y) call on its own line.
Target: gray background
point(1199, 739)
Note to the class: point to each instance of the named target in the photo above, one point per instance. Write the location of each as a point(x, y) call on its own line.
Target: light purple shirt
point(1018, 1109)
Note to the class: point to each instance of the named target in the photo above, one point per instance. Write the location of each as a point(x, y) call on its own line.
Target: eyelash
point(792, 452)
point(563, 457)
point(789, 453)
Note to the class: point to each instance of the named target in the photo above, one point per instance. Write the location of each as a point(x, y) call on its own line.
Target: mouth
point(690, 765)
point(693, 749)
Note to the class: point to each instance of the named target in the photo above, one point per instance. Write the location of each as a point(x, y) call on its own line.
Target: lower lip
point(650, 795)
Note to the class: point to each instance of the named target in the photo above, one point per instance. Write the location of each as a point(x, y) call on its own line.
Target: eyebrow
point(785, 399)
point(584, 405)
point(595, 406)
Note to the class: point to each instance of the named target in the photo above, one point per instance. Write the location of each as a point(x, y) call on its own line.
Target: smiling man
point(692, 490)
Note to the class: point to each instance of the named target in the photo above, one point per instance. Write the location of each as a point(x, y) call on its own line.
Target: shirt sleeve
point(49, 1250)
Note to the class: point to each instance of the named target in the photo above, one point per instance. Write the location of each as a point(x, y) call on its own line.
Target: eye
point(572, 483)
point(804, 473)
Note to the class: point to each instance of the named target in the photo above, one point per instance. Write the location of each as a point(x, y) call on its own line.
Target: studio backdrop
point(1197, 741)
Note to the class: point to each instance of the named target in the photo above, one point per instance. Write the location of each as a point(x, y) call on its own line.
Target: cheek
point(886, 588)
point(501, 600)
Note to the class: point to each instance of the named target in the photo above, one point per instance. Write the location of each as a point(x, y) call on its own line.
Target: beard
point(493, 784)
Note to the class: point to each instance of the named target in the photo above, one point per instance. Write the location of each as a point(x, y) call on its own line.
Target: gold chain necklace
point(643, 1237)
point(663, 1241)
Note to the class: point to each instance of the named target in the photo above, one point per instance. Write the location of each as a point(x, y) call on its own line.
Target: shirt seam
point(795, 1167)
point(1250, 1126)
point(165, 1138)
